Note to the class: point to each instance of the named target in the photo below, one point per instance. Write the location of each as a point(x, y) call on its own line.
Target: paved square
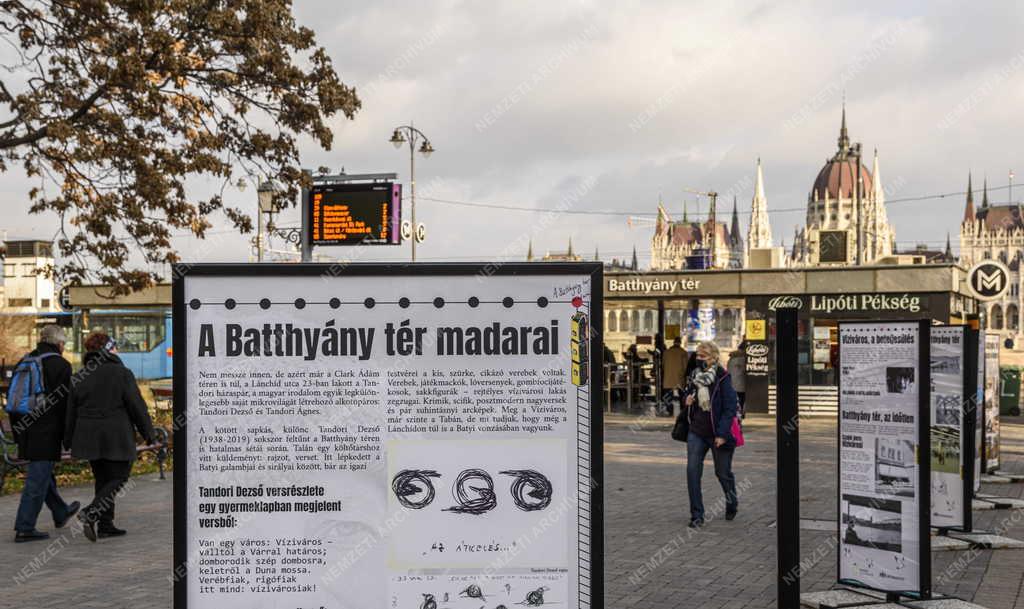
point(652, 560)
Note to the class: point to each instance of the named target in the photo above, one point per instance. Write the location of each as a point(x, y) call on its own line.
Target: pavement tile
point(725, 565)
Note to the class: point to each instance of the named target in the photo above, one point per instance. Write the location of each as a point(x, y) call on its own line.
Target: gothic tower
point(759, 233)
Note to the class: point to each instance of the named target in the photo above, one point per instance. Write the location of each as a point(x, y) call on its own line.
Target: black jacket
point(104, 408)
point(39, 434)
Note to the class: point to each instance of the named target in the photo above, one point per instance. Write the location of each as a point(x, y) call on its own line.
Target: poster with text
point(883, 488)
point(947, 420)
point(978, 408)
point(387, 436)
point(991, 402)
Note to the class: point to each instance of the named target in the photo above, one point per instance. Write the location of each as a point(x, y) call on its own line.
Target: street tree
point(119, 109)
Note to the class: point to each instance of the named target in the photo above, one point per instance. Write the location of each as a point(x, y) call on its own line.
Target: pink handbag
point(737, 431)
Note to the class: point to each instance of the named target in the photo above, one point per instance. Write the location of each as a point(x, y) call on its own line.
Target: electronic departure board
point(350, 214)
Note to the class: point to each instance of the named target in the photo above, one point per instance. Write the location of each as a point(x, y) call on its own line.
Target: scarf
point(703, 379)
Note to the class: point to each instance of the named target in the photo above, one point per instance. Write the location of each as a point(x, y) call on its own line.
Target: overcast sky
point(607, 106)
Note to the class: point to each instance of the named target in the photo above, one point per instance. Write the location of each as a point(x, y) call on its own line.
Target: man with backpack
point(37, 405)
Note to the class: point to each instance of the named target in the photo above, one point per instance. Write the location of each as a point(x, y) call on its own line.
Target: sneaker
point(109, 530)
point(33, 535)
point(730, 515)
point(696, 523)
point(88, 526)
point(73, 508)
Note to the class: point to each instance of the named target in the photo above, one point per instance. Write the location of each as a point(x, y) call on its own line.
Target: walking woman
point(104, 409)
point(711, 408)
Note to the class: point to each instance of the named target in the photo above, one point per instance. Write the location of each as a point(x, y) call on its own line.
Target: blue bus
point(143, 338)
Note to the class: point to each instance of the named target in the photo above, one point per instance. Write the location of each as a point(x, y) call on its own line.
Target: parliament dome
point(838, 176)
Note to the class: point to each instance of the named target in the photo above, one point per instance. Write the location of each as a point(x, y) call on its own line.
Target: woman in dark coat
point(711, 407)
point(104, 409)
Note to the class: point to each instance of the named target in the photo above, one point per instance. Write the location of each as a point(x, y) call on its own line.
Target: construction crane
point(712, 197)
point(640, 221)
point(707, 249)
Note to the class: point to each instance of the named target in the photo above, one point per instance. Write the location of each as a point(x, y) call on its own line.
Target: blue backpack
point(27, 392)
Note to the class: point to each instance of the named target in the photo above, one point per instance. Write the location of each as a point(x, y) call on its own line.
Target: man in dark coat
point(104, 411)
point(38, 435)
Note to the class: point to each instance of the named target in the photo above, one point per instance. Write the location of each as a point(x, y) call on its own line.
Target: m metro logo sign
point(989, 279)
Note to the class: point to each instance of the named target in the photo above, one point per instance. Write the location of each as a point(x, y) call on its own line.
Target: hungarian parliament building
point(843, 186)
point(846, 224)
point(995, 232)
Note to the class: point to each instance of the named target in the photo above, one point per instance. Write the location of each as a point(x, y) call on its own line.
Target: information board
point(884, 488)
point(351, 214)
point(991, 402)
point(387, 436)
point(979, 415)
point(947, 413)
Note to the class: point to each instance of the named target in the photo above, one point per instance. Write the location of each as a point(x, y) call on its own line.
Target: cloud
point(648, 99)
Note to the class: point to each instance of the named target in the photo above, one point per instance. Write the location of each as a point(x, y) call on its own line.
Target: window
point(623, 321)
point(28, 270)
point(1012, 317)
point(19, 302)
point(649, 321)
point(44, 303)
point(996, 318)
point(9, 270)
point(613, 322)
point(728, 320)
point(133, 333)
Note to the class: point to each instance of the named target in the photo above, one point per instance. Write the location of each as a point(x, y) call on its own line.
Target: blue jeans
point(696, 449)
point(40, 487)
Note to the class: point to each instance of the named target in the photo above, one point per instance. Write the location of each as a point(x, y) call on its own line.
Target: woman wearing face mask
point(711, 407)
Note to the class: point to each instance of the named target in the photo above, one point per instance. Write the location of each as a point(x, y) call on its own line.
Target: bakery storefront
point(728, 306)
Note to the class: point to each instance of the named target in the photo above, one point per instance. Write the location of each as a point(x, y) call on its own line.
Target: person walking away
point(104, 410)
point(711, 408)
point(635, 363)
point(737, 367)
point(37, 420)
point(673, 366)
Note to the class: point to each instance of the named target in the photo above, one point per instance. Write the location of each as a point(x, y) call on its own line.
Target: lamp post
point(857, 212)
point(412, 135)
point(265, 194)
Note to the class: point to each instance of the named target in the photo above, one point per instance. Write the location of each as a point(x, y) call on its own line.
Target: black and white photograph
point(945, 449)
point(899, 379)
point(894, 467)
point(872, 523)
point(945, 364)
point(947, 409)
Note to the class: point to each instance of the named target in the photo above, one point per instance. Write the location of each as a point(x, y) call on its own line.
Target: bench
point(11, 463)
point(163, 397)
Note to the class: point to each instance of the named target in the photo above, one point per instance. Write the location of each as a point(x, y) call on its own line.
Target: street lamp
point(397, 139)
point(858, 183)
point(401, 135)
point(265, 192)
